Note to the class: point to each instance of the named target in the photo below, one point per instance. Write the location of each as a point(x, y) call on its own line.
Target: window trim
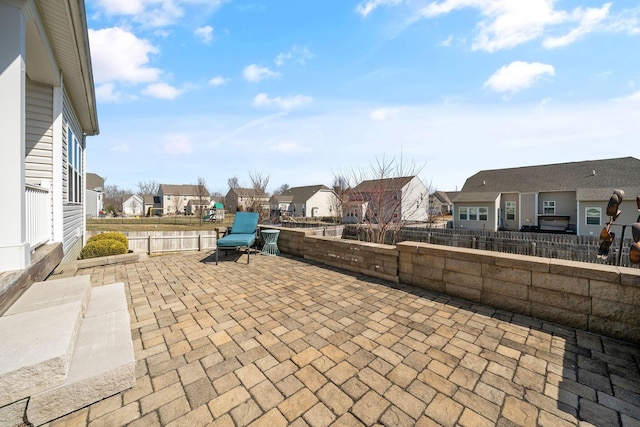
point(74, 168)
point(510, 210)
point(587, 216)
point(548, 204)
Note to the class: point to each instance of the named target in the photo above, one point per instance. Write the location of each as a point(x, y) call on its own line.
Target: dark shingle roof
point(386, 184)
point(94, 181)
point(302, 194)
point(607, 173)
point(181, 190)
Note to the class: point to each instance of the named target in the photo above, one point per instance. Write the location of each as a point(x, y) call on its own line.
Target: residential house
point(198, 207)
point(175, 198)
point(311, 201)
point(564, 197)
point(45, 121)
point(133, 205)
point(94, 195)
point(440, 202)
point(398, 199)
point(242, 199)
point(279, 205)
point(152, 204)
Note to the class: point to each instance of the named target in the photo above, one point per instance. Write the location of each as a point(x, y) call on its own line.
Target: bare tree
point(388, 195)
point(233, 183)
point(281, 189)
point(113, 198)
point(203, 195)
point(178, 202)
point(341, 189)
point(148, 188)
point(259, 198)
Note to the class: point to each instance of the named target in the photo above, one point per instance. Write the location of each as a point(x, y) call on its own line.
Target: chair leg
point(217, 250)
point(248, 252)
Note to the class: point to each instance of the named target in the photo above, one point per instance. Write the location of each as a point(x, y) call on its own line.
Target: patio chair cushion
point(245, 223)
point(237, 239)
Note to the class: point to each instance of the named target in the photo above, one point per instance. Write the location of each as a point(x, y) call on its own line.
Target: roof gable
point(385, 184)
point(182, 190)
point(302, 194)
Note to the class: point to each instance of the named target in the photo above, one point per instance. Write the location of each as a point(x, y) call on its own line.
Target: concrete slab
point(105, 299)
point(12, 415)
point(103, 363)
point(53, 292)
point(36, 349)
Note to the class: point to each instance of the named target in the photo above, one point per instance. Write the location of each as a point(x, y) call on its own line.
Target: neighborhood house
point(560, 198)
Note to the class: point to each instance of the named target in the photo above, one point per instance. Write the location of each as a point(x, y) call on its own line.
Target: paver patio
point(285, 342)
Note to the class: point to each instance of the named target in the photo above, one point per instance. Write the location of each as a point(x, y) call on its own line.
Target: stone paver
point(285, 342)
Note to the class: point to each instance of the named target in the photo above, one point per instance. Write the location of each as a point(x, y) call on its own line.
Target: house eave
point(61, 31)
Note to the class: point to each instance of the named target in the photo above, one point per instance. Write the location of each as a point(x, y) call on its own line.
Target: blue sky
point(303, 90)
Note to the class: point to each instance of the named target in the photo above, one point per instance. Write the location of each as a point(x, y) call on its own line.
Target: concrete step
point(53, 292)
point(39, 333)
point(103, 363)
point(36, 349)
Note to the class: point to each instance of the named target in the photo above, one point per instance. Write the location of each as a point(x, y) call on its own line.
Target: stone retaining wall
point(598, 298)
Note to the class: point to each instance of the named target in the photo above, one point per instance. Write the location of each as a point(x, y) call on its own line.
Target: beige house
point(309, 201)
point(568, 198)
point(242, 199)
point(174, 199)
point(398, 199)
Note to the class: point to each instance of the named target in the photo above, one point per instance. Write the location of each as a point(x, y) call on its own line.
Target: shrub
point(103, 247)
point(111, 235)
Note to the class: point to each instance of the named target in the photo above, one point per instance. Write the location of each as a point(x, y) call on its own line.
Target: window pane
point(463, 213)
point(484, 214)
point(473, 214)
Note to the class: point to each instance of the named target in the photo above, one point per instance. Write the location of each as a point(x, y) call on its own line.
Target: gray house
point(561, 198)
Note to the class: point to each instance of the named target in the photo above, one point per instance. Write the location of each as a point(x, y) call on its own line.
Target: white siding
point(73, 225)
point(39, 134)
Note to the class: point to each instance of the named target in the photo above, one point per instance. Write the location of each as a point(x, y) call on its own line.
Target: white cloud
point(205, 34)
point(177, 144)
point(118, 55)
point(162, 91)
point(155, 13)
point(287, 147)
point(219, 81)
point(282, 58)
point(107, 92)
point(634, 97)
point(383, 114)
point(517, 76)
point(367, 6)
point(254, 73)
point(506, 23)
point(286, 103)
point(590, 19)
point(299, 54)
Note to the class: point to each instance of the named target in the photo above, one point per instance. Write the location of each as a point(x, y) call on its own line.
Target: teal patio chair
point(243, 233)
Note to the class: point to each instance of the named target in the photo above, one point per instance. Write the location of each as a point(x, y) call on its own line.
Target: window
point(592, 216)
point(483, 213)
point(74, 168)
point(473, 214)
point(510, 208)
point(549, 207)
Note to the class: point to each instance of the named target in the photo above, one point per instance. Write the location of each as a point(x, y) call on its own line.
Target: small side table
point(270, 242)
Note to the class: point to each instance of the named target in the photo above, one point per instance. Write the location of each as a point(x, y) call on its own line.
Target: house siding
point(39, 133)
point(509, 224)
point(72, 218)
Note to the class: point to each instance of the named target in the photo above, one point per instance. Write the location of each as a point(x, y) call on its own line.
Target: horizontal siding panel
point(72, 220)
point(40, 154)
point(39, 132)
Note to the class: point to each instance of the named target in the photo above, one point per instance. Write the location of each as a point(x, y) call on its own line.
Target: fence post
point(149, 244)
point(474, 243)
point(533, 248)
point(429, 238)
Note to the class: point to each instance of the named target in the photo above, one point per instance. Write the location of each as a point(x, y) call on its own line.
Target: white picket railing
point(38, 215)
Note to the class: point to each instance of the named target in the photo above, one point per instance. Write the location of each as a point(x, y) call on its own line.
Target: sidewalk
point(284, 342)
